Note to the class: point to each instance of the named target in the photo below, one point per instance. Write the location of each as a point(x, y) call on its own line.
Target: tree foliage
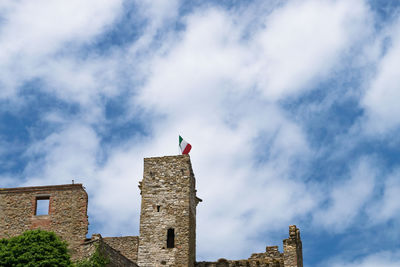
point(36, 248)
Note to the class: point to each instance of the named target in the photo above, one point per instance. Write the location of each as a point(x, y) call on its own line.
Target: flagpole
point(179, 148)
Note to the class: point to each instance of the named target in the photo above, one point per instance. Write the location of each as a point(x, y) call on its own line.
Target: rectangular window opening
point(171, 238)
point(158, 208)
point(42, 205)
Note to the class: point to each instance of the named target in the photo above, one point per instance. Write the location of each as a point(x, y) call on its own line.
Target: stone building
point(167, 235)
point(66, 214)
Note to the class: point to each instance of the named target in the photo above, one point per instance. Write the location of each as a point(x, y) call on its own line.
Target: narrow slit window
point(171, 238)
point(158, 208)
point(42, 206)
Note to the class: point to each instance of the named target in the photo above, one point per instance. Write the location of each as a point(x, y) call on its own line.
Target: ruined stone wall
point(126, 245)
point(292, 247)
point(239, 263)
point(168, 202)
point(115, 257)
point(271, 258)
point(67, 214)
point(291, 257)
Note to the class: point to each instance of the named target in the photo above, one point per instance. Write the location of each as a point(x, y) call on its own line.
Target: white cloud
point(304, 41)
point(32, 32)
point(159, 11)
point(84, 82)
point(301, 42)
point(63, 156)
point(388, 206)
point(199, 66)
point(380, 100)
point(160, 16)
point(347, 199)
point(40, 28)
point(381, 259)
point(114, 193)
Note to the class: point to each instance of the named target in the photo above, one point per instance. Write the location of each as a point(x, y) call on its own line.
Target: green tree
point(36, 248)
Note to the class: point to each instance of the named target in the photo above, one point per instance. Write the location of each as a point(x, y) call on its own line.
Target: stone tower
point(168, 213)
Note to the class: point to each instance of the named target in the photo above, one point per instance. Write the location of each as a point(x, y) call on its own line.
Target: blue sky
point(291, 108)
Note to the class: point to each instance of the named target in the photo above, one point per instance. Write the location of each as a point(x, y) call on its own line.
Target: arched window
point(171, 238)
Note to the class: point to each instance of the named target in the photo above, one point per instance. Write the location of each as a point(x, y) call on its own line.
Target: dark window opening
point(42, 205)
point(158, 208)
point(171, 238)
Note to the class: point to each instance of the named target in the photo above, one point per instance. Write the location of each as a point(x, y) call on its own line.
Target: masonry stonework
point(292, 247)
point(168, 211)
point(127, 245)
point(167, 221)
point(67, 213)
point(97, 243)
point(291, 257)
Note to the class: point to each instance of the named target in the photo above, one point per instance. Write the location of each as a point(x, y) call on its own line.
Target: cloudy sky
point(292, 109)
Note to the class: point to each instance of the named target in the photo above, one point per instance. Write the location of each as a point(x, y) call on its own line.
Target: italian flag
point(185, 146)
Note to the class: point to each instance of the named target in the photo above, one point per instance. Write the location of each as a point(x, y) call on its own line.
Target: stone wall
point(271, 258)
point(292, 247)
point(291, 257)
point(126, 245)
point(116, 259)
point(168, 202)
point(67, 213)
point(240, 263)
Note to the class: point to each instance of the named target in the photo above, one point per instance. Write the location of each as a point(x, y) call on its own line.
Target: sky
point(292, 109)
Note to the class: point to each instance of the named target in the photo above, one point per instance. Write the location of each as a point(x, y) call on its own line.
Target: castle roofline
point(41, 188)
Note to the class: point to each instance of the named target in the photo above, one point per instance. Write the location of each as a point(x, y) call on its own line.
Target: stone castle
point(167, 221)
